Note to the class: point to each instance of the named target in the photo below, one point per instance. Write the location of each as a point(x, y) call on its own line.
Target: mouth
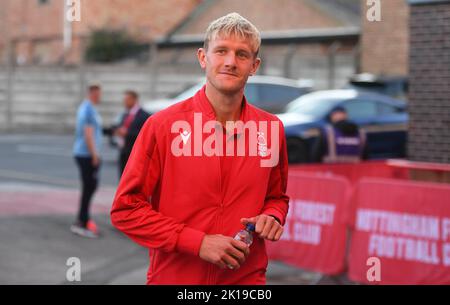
point(228, 73)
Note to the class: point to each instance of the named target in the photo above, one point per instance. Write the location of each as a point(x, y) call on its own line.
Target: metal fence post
point(9, 86)
point(153, 69)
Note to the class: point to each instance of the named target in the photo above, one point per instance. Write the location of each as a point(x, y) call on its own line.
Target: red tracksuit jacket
point(167, 202)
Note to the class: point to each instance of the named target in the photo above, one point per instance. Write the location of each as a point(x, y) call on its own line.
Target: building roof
point(424, 2)
point(271, 16)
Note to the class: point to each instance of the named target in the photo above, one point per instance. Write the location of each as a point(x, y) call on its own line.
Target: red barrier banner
point(401, 233)
point(356, 171)
point(314, 236)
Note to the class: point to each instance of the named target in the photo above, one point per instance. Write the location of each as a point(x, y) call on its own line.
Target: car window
point(251, 93)
point(277, 95)
point(188, 93)
point(357, 109)
point(384, 109)
point(312, 105)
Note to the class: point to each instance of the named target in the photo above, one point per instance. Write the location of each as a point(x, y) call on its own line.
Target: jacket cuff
point(275, 213)
point(189, 241)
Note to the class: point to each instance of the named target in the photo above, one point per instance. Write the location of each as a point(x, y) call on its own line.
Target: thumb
point(245, 221)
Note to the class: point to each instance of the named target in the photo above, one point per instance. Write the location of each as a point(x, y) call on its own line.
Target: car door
point(392, 130)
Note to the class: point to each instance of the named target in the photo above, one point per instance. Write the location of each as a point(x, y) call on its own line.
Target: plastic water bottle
point(246, 234)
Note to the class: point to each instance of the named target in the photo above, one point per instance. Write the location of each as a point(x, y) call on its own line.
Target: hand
point(121, 132)
point(266, 226)
point(223, 251)
point(95, 160)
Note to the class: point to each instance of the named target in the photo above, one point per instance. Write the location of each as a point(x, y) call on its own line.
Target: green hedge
point(112, 45)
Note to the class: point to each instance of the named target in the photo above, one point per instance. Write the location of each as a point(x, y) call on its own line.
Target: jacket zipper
point(213, 275)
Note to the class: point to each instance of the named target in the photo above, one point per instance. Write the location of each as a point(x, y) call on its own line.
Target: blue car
point(383, 118)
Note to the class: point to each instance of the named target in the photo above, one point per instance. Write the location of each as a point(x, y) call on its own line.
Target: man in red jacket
point(203, 168)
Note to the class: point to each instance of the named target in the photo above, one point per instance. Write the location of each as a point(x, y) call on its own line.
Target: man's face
point(129, 101)
point(338, 116)
point(94, 96)
point(228, 62)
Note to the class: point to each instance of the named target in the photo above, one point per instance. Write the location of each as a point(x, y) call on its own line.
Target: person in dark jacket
point(341, 141)
point(130, 125)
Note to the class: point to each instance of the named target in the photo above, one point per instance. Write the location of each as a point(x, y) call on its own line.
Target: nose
point(230, 60)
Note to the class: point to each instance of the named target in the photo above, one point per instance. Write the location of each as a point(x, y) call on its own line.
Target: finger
point(241, 246)
point(278, 234)
point(230, 261)
point(236, 254)
point(221, 264)
point(245, 221)
point(267, 226)
point(273, 231)
point(260, 224)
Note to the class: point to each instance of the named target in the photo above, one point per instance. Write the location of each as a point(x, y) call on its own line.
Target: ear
point(201, 56)
point(256, 65)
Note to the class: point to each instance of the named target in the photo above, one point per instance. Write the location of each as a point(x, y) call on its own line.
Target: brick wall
point(429, 130)
point(27, 21)
point(384, 44)
point(3, 33)
point(144, 19)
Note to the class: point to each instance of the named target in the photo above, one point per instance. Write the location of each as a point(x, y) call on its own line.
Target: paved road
point(47, 159)
point(38, 201)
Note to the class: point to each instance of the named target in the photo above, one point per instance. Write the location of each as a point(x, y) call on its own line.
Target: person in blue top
point(86, 150)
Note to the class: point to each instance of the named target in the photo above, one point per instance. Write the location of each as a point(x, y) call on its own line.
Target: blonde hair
point(233, 24)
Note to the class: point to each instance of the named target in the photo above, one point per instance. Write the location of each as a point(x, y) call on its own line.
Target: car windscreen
point(251, 92)
point(188, 93)
point(316, 107)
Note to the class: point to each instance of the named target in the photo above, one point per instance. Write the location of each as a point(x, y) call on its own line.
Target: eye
point(221, 51)
point(243, 55)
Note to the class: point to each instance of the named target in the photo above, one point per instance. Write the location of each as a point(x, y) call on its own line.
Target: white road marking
point(50, 150)
point(11, 174)
point(44, 150)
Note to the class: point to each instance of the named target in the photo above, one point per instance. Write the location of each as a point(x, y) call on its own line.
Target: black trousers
point(123, 159)
point(89, 176)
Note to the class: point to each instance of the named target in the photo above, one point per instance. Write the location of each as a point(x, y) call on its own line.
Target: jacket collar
point(203, 105)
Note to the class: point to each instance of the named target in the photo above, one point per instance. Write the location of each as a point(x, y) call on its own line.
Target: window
point(360, 109)
point(384, 109)
point(313, 105)
point(278, 93)
point(275, 97)
point(251, 93)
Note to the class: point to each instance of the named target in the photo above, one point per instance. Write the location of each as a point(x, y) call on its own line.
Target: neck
point(227, 107)
point(132, 107)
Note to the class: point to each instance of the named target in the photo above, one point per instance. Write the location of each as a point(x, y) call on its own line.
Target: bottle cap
point(250, 227)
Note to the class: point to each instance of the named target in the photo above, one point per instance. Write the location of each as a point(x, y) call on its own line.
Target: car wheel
point(297, 150)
